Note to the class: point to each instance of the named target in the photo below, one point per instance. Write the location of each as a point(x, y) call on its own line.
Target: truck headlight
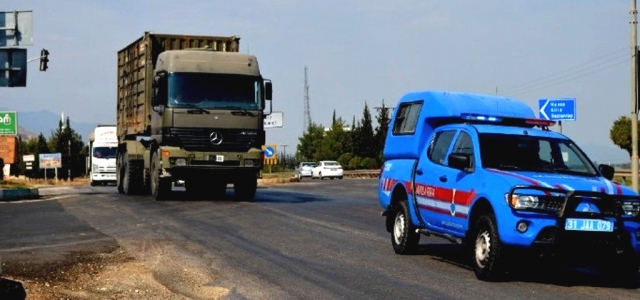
point(95, 168)
point(181, 162)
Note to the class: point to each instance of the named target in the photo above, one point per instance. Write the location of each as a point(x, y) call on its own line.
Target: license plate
point(589, 225)
point(217, 158)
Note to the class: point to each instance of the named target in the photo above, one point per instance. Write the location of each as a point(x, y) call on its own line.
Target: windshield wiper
point(197, 109)
point(240, 111)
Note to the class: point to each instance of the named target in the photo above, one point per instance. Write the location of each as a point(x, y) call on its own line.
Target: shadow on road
point(530, 269)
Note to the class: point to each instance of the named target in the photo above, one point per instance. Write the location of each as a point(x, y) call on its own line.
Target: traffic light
point(44, 59)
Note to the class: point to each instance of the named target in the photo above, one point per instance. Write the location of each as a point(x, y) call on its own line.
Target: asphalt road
point(308, 240)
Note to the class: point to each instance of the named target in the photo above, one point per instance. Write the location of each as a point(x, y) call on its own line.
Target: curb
point(18, 194)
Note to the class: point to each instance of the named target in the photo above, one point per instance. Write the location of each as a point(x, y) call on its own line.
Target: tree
point(381, 130)
point(363, 135)
point(310, 143)
point(620, 133)
point(68, 143)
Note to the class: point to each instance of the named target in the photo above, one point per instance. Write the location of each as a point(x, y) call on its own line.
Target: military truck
point(189, 108)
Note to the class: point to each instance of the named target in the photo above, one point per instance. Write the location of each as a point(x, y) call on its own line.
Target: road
point(308, 240)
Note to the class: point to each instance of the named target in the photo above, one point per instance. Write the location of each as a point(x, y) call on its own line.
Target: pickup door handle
point(419, 172)
point(443, 178)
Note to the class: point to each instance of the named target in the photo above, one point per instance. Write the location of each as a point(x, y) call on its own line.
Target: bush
point(369, 163)
point(344, 160)
point(354, 163)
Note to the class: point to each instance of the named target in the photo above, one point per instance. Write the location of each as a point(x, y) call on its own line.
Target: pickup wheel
point(404, 237)
point(487, 249)
point(622, 269)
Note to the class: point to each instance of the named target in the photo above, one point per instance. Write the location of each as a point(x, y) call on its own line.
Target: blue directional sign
point(563, 109)
point(269, 152)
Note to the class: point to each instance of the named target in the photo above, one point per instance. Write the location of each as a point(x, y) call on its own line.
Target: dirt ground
point(112, 274)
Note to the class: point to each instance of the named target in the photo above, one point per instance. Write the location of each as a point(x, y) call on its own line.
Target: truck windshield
point(215, 91)
point(104, 152)
point(531, 153)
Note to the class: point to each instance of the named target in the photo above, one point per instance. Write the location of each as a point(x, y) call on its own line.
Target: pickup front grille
point(200, 139)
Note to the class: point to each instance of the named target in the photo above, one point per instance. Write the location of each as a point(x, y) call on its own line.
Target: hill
point(32, 123)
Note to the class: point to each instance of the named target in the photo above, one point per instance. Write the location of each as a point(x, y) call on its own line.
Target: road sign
point(13, 67)
point(16, 28)
point(561, 109)
point(274, 120)
point(8, 123)
point(269, 151)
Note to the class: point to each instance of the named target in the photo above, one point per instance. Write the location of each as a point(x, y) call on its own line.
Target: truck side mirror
point(607, 171)
point(159, 86)
point(460, 161)
point(268, 90)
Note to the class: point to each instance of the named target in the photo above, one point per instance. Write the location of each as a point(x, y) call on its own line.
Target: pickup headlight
point(534, 202)
point(631, 209)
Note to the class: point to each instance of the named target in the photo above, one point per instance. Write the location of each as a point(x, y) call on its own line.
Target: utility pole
point(69, 162)
point(284, 155)
point(307, 104)
point(634, 96)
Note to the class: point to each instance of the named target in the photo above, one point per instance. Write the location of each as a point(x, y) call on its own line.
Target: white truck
point(103, 147)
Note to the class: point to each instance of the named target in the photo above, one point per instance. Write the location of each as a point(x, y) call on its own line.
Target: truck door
point(443, 193)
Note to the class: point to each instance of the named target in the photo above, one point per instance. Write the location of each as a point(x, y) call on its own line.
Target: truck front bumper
point(178, 163)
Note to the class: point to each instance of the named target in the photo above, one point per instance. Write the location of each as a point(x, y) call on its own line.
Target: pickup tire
point(487, 249)
point(404, 237)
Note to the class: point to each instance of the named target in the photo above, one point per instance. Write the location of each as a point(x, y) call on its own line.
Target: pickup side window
point(464, 145)
point(439, 146)
point(407, 118)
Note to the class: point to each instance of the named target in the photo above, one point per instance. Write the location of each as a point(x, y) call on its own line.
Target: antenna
point(307, 107)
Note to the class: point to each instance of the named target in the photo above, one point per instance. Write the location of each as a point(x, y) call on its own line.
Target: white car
point(304, 169)
point(327, 169)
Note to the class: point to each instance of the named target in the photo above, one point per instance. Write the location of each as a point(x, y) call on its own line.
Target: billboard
point(50, 160)
point(8, 123)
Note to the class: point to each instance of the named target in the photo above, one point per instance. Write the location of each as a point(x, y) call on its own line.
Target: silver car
point(304, 169)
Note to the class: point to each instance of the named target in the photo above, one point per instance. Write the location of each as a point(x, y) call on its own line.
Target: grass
point(30, 183)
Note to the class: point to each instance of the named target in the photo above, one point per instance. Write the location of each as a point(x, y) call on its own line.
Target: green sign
point(8, 123)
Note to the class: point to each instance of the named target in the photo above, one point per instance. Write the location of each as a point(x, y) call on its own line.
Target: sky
point(355, 51)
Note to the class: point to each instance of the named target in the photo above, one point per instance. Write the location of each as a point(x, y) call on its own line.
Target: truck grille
point(200, 139)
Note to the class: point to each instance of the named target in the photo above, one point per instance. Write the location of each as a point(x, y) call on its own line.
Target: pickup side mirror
point(607, 171)
point(460, 161)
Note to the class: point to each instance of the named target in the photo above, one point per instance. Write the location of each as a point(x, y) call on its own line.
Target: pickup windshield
point(215, 91)
point(535, 154)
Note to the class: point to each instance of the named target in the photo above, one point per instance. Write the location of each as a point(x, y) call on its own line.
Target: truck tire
point(160, 187)
point(119, 174)
point(132, 176)
point(404, 237)
point(245, 189)
point(487, 250)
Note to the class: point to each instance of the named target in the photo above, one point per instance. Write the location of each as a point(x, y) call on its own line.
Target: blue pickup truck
point(483, 171)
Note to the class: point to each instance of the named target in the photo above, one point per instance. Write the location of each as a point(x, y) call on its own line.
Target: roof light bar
point(473, 117)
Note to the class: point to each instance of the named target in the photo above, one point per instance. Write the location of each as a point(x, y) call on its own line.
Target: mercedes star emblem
point(215, 138)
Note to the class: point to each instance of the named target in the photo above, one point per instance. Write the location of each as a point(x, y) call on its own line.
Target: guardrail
point(361, 173)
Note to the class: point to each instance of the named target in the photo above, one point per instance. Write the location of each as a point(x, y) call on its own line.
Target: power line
point(568, 71)
point(576, 75)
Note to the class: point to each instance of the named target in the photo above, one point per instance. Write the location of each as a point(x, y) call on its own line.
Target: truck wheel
point(219, 189)
point(404, 237)
point(160, 187)
point(93, 183)
point(487, 249)
point(131, 172)
point(119, 174)
point(245, 190)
